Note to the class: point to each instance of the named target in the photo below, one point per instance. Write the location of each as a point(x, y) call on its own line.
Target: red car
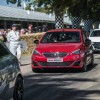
point(63, 48)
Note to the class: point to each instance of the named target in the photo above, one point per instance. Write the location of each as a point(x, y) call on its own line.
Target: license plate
point(55, 60)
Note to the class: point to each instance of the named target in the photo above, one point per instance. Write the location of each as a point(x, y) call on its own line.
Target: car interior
point(63, 37)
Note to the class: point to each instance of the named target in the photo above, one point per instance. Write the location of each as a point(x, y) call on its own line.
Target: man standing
point(13, 37)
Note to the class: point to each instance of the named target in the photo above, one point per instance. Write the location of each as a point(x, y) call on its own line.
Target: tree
point(84, 9)
point(89, 13)
point(14, 2)
point(74, 12)
point(56, 6)
point(96, 13)
point(41, 9)
point(50, 6)
point(88, 10)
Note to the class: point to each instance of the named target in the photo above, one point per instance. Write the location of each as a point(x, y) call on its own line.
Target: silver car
point(11, 80)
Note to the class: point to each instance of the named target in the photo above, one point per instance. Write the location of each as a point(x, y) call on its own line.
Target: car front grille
point(96, 45)
point(55, 54)
point(56, 63)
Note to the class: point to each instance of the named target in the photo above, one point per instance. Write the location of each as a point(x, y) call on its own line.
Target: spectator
point(9, 30)
point(1, 31)
point(35, 29)
point(30, 29)
point(3, 34)
point(13, 38)
point(22, 31)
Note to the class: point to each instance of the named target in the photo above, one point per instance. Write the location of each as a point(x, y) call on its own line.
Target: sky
point(4, 3)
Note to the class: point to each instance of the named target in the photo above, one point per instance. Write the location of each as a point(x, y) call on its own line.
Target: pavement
point(25, 64)
point(61, 84)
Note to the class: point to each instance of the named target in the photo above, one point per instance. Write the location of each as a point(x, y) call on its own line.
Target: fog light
point(35, 64)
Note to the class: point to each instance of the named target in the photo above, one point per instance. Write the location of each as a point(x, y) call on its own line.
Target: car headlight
point(76, 52)
point(35, 52)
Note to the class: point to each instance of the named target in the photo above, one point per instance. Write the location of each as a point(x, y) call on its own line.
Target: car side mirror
point(87, 42)
point(36, 41)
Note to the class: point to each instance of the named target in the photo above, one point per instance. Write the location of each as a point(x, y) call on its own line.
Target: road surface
point(61, 84)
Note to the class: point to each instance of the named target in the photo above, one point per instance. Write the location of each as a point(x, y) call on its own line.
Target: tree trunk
point(88, 25)
point(75, 22)
point(96, 24)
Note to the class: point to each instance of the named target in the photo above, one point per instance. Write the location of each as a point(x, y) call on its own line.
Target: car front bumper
point(75, 61)
point(96, 46)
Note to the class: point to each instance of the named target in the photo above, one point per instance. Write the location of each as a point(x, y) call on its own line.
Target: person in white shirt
point(13, 37)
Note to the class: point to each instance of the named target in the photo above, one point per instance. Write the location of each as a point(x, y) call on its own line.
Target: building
point(10, 15)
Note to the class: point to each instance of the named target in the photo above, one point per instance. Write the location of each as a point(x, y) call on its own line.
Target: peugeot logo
point(56, 54)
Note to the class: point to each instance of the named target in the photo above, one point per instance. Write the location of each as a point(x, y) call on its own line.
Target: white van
point(95, 39)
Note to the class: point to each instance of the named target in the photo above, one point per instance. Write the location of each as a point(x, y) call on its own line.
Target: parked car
point(63, 48)
point(11, 80)
point(95, 39)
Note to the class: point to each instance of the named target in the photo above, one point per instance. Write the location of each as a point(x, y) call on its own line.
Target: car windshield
point(59, 37)
point(95, 33)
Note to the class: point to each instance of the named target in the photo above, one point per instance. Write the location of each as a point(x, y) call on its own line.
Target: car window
point(95, 33)
point(59, 37)
point(3, 51)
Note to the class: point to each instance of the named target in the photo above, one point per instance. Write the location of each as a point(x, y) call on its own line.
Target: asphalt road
point(61, 84)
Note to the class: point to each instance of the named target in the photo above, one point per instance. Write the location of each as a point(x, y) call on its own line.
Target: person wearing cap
point(13, 37)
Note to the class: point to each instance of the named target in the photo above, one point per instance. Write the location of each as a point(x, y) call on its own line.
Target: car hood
point(58, 47)
point(94, 39)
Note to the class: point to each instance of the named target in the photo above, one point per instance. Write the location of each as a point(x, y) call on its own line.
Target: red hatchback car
point(63, 48)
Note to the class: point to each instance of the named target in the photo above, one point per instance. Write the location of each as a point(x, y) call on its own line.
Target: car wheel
point(84, 68)
point(92, 61)
point(36, 70)
point(18, 90)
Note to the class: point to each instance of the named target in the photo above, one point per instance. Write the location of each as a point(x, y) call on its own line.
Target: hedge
point(29, 39)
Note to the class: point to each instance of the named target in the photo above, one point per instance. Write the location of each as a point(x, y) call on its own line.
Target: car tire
point(36, 70)
point(92, 61)
point(84, 68)
point(18, 89)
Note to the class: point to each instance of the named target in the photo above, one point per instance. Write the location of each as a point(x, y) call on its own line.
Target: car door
point(8, 72)
point(1, 81)
point(3, 68)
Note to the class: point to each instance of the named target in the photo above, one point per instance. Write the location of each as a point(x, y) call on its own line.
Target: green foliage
point(73, 8)
point(28, 7)
point(86, 9)
point(14, 2)
point(41, 9)
point(50, 6)
point(11, 1)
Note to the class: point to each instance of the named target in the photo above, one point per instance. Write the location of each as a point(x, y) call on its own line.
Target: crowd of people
point(30, 30)
point(12, 37)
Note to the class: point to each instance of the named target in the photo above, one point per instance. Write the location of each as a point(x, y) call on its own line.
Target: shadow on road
point(97, 52)
point(91, 67)
point(45, 87)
